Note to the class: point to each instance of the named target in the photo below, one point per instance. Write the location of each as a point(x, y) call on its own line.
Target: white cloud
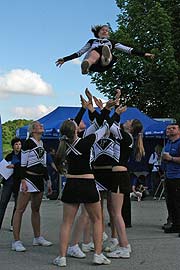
point(32, 112)
point(24, 81)
point(76, 61)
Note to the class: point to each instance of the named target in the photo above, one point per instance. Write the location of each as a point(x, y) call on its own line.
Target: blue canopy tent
point(53, 120)
point(157, 129)
point(134, 113)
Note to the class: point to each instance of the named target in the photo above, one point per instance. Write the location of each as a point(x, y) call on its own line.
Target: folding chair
point(161, 185)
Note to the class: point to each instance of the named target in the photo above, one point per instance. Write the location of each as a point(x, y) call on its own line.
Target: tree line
point(9, 131)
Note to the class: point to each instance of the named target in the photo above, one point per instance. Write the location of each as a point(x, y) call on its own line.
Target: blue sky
point(34, 34)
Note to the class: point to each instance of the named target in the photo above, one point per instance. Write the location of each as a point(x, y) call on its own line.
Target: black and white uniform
point(81, 190)
point(121, 180)
point(97, 44)
point(33, 160)
point(103, 158)
point(104, 152)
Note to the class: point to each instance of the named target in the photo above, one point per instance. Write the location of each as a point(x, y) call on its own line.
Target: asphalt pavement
point(152, 249)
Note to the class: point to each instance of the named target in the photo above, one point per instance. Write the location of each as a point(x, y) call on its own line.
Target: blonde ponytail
point(139, 147)
point(137, 129)
point(60, 157)
point(67, 131)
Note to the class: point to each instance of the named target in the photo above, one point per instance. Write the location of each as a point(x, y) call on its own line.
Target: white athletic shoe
point(120, 252)
point(112, 245)
point(105, 236)
point(60, 261)
point(87, 247)
point(85, 67)
point(18, 246)
point(100, 259)
point(40, 241)
point(75, 251)
point(106, 55)
point(129, 248)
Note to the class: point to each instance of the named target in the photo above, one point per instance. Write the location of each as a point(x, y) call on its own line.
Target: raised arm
point(82, 110)
point(93, 114)
point(131, 50)
point(115, 128)
point(77, 54)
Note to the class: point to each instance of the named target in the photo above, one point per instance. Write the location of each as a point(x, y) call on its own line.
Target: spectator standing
point(11, 185)
point(171, 158)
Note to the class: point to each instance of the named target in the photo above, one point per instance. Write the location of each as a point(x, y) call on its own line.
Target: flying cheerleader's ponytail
point(96, 28)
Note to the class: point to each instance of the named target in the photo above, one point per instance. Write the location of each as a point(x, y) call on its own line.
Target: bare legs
point(110, 212)
point(69, 213)
point(94, 211)
point(22, 203)
point(93, 58)
point(36, 199)
point(116, 203)
point(82, 225)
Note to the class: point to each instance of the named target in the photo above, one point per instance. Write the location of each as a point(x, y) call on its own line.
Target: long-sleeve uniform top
point(124, 145)
point(79, 152)
point(104, 149)
point(99, 42)
point(33, 158)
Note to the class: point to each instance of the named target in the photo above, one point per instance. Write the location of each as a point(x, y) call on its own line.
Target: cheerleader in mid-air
point(99, 57)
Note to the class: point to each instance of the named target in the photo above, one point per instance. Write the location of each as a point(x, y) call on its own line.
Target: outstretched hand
point(121, 109)
point(110, 104)
point(10, 166)
point(88, 94)
point(150, 55)
point(117, 96)
point(98, 102)
point(59, 62)
point(24, 186)
point(118, 93)
point(83, 102)
point(86, 104)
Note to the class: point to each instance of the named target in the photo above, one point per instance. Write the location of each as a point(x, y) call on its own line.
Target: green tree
point(152, 86)
point(9, 131)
